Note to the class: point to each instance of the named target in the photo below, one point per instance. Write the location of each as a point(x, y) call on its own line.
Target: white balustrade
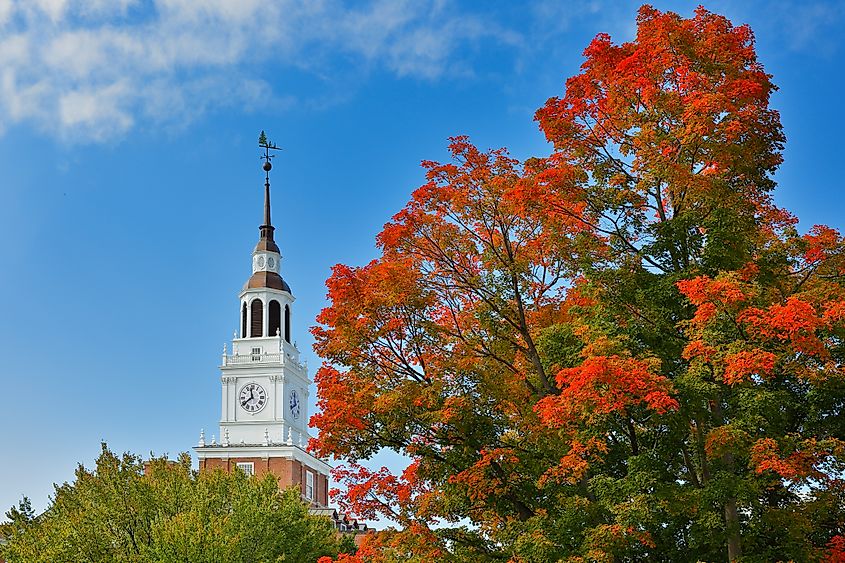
point(265, 358)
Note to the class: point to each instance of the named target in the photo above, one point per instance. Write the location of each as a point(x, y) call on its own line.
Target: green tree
point(128, 510)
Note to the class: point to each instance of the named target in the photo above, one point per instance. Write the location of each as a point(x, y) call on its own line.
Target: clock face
point(294, 404)
point(252, 398)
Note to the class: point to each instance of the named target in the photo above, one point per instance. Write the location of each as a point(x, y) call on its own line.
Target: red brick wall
point(288, 472)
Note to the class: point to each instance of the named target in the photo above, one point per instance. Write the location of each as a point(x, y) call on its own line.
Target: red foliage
point(489, 475)
point(622, 87)
point(342, 558)
point(602, 385)
point(834, 312)
point(821, 242)
point(369, 494)
point(748, 362)
point(806, 459)
point(416, 539)
point(792, 319)
point(703, 289)
point(795, 321)
point(835, 550)
point(698, 349)
point(711, 296)
point(574, 465)
point(342, 407)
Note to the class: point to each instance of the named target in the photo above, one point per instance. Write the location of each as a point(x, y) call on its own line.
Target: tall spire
point(266, 241)
point(267, 221)
point(267, 228)
point(266, 257)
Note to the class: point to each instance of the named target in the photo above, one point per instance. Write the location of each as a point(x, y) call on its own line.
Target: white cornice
point(283, 451)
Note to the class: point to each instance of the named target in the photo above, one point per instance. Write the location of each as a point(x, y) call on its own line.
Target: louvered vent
point(287, 323)
point(257, 311)
point(275, 315)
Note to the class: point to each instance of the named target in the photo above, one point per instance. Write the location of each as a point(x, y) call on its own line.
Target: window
point(256, 354)
point(309, 485)
point(257, 324)
point(287, 323)
point(247, 467)
point(275, 319)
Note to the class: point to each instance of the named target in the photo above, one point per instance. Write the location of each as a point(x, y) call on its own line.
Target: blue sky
point(130, 183)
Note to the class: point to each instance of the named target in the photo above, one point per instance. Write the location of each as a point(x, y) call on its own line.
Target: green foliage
point(122, 511)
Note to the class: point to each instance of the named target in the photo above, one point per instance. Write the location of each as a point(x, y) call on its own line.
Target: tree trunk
point(731, 513)
point(732, 525)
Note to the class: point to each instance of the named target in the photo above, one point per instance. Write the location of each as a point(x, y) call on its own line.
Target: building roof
point(267, 245)
point(267, 279)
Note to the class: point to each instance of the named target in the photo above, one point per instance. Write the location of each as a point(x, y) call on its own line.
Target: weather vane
point(268, 146)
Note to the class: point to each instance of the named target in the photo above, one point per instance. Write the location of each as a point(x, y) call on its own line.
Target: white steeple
point(264, 383)
point(264, 386)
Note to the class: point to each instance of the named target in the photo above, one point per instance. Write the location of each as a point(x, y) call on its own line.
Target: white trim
point(247, 467)
point(309, 476)
point(287, 452)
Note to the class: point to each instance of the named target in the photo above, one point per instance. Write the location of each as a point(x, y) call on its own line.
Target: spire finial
point(263, 142)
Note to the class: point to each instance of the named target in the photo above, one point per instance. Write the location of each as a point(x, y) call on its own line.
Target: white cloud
point(22, 101)
point(811, 26)
point(53, 9)
point(100, 113)
point(5, 11)
point(91, 70)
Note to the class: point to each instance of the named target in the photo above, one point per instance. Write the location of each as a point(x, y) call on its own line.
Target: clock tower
point(264, 385)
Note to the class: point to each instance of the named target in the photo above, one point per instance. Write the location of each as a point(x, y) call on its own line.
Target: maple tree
point(621, 351)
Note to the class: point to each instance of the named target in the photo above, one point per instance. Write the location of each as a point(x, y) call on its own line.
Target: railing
point(265, 358)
